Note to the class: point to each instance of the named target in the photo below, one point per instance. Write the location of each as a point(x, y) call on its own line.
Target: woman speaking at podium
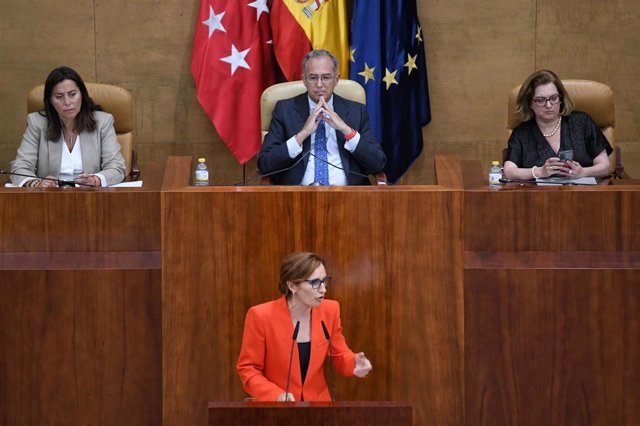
point(270, 363)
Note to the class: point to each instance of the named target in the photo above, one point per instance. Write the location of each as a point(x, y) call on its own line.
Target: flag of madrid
point(232, 63)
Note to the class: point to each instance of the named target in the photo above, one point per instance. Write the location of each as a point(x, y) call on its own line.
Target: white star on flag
point(214, 22)
point(236, 59)
point(261, 6)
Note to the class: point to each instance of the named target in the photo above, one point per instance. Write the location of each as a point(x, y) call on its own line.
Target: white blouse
point(71, 163)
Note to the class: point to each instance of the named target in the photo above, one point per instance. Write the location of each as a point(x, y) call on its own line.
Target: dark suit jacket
point(266, 345)
point(289, 117)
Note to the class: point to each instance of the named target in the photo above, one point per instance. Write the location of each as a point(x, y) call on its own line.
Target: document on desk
point(133, 184)
point(556, 180)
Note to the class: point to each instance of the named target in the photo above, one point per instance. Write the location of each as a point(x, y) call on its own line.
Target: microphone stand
point(350, 172)
point(340, 168)
point(295, 336)
point(275, 172)
point(333, 369)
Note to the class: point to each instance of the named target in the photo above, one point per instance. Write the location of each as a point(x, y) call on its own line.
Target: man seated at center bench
point(319, 137)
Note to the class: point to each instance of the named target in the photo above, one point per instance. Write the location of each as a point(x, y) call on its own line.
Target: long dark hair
point(84, 119)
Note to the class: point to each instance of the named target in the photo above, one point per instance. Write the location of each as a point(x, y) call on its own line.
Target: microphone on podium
point(293, 342)
point(275, 172)
point(333, 369)
point(347, 172)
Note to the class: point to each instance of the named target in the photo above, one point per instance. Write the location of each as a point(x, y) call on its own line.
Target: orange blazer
point(266, 346)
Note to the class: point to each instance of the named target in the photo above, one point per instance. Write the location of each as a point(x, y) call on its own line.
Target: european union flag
point(387, 51)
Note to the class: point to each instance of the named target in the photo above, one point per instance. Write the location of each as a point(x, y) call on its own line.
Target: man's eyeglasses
point(316, 282)
point(553, 99)
point(325, 78)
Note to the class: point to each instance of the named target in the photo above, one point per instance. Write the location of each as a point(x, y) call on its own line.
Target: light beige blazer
point(38, 156)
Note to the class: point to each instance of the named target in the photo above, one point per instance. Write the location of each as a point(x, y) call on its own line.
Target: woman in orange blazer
point(268, 329)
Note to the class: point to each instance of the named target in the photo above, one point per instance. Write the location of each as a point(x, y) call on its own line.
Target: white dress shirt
point(337, 176)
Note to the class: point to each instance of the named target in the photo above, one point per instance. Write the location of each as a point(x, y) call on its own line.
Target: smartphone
point(566, 156)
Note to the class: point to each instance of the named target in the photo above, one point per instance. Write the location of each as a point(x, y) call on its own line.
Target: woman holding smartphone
point(552, 138)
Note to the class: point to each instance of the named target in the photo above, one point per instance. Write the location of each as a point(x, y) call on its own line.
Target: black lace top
point(528, 147)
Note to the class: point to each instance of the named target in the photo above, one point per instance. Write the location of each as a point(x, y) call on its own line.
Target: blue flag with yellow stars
point(388, 60)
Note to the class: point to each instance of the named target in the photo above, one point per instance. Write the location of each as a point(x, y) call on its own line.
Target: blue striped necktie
point(321, 167)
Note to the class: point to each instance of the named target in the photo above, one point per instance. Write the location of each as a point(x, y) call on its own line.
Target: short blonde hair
point(297, 267)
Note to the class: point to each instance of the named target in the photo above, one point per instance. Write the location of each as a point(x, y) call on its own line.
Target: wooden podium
point(393, 273)
point(352, 413)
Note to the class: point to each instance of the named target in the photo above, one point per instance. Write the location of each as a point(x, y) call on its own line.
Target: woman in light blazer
point(69, 140)
point(268, 330)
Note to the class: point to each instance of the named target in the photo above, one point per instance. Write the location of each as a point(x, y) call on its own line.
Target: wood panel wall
point(552, 346)
point(80, 347)
point(394, 275)
point(476, 52)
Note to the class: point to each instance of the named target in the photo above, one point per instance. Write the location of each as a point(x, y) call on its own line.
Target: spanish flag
point(301, 25)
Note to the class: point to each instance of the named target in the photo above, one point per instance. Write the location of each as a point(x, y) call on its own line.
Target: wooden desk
point(394, 254)
point(80, 278)
point(551, 303)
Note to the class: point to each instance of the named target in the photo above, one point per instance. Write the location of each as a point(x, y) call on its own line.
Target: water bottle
point(202, 173)
point(495, 174)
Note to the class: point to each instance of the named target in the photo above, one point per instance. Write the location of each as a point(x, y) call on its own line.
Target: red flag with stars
point(232, 63)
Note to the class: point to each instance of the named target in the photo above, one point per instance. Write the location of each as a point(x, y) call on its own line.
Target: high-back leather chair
point(348, 89)
point(591, 97)
point(115, 100)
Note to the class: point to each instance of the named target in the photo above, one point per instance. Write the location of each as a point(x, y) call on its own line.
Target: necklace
point(71, 142)
point(70, 138)
point(555, 129)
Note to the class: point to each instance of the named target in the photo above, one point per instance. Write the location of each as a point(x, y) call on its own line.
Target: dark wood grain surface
point(80, 308)
point(476, 306)
point(80, 347)
point(392, 254)
point(553, 219)
point(552, 346)
point(353, 413)
point(551, 298)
